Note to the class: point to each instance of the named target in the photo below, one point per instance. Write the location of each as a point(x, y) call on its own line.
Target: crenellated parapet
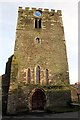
point(32, 10)
point(26, 16)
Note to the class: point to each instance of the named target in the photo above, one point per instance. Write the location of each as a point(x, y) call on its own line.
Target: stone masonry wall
point(49, 54)
point(55, 97)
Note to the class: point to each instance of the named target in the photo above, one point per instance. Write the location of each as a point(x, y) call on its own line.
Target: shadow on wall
point(5, 85)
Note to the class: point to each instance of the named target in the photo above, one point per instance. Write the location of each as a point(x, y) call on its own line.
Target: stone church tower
point(39, 77)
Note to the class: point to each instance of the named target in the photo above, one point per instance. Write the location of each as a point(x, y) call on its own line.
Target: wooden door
point(38, 100)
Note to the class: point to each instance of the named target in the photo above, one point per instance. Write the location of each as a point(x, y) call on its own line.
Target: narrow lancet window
point(29, 75)
point(37, 75)
point(46, 76)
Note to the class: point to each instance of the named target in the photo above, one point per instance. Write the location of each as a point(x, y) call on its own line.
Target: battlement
point(26, 9)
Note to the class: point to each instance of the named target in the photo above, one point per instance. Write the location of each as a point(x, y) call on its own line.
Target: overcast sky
point(8, 22)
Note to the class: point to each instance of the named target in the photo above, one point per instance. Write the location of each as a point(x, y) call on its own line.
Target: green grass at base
point(63, 109)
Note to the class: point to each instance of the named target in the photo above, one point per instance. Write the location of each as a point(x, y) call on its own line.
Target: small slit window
point(37, 40)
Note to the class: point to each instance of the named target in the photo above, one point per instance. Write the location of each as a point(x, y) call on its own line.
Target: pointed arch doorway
point(38, 100)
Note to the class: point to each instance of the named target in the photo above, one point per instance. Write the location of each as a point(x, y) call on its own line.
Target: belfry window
point(37, 23)
point(37, 75)
point(40, 23)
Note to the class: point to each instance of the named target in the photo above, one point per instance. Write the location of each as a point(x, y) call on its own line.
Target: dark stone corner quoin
point(37, 75)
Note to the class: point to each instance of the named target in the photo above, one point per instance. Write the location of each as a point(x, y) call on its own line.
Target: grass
point(63, 109)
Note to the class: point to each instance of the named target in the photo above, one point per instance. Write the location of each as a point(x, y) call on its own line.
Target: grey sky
point(8, 22)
